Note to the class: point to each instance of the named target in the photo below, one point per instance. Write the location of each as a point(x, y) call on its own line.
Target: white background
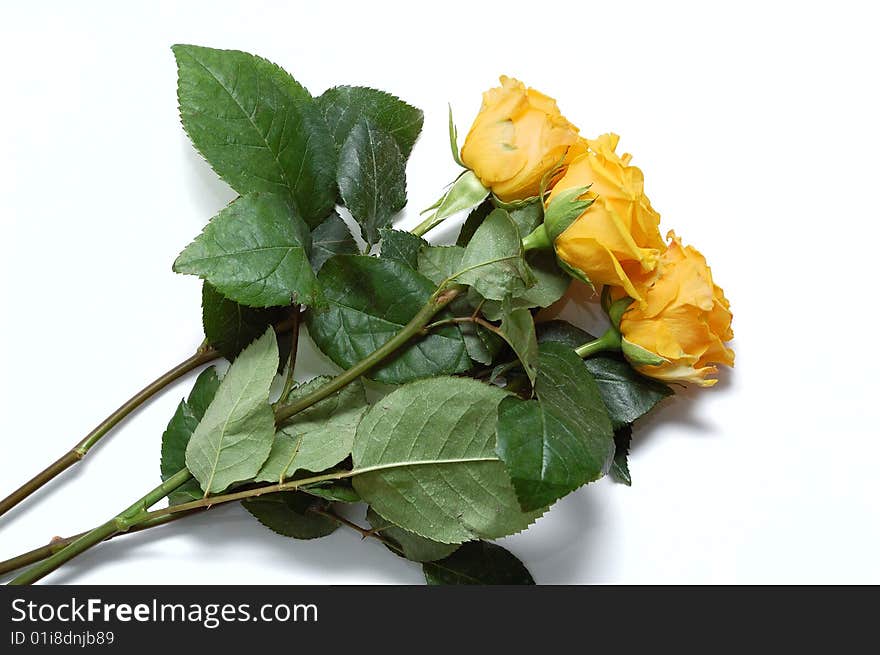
point(756, 125)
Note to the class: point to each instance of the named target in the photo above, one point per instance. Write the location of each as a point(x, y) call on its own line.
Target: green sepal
point(616, 309)
point(546, 177)
point(453, 144)
point(465, 193)
point(514, 204)
point(564, 210)
point(638, 356)
point(605, 298)
point(576, 273)
point(559, 214)
point(432, 206)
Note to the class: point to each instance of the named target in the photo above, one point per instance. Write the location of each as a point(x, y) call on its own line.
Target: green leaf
point(331, 237)
point(626, 393)
point(318, 437)
point(372, 178)
point(560, 441)
point(562, 332)
point(337, 493)
point(474, 220)
point(518, 330)
point(179, 431)
point(203, 392)
point(482, 345)
point(254, 252)
point(439, 263)
point(620, 467)
point(344, 106)
point(478, 563)
point(257, 127)
point(402, 246)
point(407, 544)
point(288, 514)
point(174, 441)
point(527, 216)
point(551, 283)
point(234, 437)
point(493, 261)
point(230, 326)
point(368, 300)
point(427, 452)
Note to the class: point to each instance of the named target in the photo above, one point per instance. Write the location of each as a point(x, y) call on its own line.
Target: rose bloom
point(517, 138)
point(618, 237)
point(685, 318)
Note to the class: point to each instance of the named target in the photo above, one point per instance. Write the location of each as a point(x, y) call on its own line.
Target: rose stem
point(137, 513)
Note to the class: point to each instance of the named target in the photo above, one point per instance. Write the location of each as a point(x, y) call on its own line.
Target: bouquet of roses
point(457, 418)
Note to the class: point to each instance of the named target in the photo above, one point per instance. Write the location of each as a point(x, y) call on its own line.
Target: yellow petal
point(685, 317)
point(518, 137)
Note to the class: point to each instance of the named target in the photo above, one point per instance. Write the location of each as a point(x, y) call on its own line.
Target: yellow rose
point(685, 319)
point(518, 137)
point(618, 237)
